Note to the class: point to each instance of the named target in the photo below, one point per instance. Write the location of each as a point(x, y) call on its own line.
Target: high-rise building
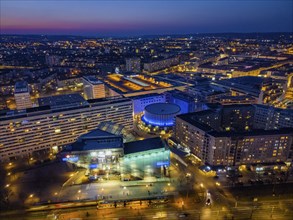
point(22, 95)
point(50, 126)
point(229, 136)
point(133, 65)
point(93, 88)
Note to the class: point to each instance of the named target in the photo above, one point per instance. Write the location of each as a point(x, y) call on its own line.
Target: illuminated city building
point(185, 101)
point(103, 153)
point(246, 67)
point(265, 90)
point(140, 102)
point(138, 84)
point(93, 88)
point(146, 158)
point(133, 65)
point(160, 114)
point(234, 136)
point(49, 127)
point(22, 95)
point(98, 151)
point(161, 64)
point(158, 118)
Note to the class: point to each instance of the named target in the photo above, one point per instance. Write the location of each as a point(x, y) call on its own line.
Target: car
point(183, 215)
point(208, 202)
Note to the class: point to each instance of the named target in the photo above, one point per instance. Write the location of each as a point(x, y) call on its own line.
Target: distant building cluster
point(226, 99)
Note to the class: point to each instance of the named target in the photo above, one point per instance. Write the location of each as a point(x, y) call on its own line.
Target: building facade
point(140, 102)
point(22, 95)
point(161, 64)
point(182, 99)
point(44, 128)
point(238, 141)
point(93, 88)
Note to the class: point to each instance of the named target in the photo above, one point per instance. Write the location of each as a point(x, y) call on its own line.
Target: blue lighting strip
point(156, 123)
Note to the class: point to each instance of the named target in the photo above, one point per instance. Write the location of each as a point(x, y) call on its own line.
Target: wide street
point(187, 190)
point(265, 210)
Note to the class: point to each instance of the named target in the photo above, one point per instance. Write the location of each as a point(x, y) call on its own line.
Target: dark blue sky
point(90, 17)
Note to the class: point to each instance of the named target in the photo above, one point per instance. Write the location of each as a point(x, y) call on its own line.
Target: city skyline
point(126, 18)
point(146, 109)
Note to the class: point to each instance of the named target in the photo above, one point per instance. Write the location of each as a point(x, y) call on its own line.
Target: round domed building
point(160, 116)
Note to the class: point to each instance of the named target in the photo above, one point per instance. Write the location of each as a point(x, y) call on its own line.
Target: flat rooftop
point(46, 109)
point(60, 101)
point(143, 145)
point(137, 83)
point(21, 86)
point(250, 84)
point(194, 119)
point(96, 140)
point(93, 80)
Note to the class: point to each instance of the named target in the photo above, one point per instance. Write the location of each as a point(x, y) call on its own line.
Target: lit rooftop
point(136, 83)
point(21, 87)
point(93, 80)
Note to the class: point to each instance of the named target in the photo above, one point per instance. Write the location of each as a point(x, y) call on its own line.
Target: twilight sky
point(137, 17)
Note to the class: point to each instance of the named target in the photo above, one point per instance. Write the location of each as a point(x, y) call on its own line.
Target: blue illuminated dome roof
point(160, 114)
point(163, 109)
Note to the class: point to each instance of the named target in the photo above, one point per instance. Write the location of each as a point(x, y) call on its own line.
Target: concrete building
point(140, 102)
point(182, 99)
point(265, 90)
point(49, 127)
point(161, 64)
point(22, 95)
point(133, 65)
point(272, 118)
point(93, 88)
point(104, 153)
point(230, 136)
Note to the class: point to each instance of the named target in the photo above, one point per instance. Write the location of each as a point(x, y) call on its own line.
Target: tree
point(5, 195)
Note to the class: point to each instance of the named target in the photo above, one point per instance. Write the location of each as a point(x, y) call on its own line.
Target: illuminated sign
point(163, 163)
point(70, 159)
point(93, 166)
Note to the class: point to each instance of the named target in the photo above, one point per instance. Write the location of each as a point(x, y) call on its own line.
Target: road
point(281, 210)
